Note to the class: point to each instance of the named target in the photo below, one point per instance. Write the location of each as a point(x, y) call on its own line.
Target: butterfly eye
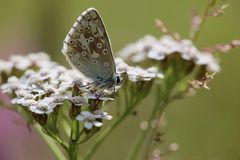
point(105, 51)
point(99, 45)
point(119, 80)
point(84, 47)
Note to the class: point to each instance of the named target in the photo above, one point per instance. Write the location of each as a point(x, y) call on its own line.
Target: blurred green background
point(206, 126)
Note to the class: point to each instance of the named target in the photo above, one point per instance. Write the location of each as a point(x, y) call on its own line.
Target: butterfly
point(88, 49)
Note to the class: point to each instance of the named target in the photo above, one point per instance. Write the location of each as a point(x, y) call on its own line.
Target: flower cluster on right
point(152, 48)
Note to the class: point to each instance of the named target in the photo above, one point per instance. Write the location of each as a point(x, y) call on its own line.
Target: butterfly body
point(88, 49)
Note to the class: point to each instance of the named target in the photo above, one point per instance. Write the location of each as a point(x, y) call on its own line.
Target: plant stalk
point(52, 145)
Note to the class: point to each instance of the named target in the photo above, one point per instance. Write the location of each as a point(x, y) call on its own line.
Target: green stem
point(140, 139)
point(126, 98)
point(154, 131)
point(204, 19)
point(79, 135)
point(65, 123)
point(53, 146)
point(86, 138)
point(162, 99)
point(65, 127)
point(55, 136)
point(73, 146)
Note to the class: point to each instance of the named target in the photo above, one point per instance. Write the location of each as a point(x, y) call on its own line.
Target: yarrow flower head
point(45, 88)
point(40, 60)
point(137, 51)
point(44, 106)
point(141, 79)
point(154, 49)
point(19, 63)
point(137, 73)
point(45, 85)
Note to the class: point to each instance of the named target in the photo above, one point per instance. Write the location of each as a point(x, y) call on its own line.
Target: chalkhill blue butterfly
point(88, 49)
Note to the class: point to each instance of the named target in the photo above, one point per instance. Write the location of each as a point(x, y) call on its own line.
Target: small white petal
point(88, 125)
point(80, 118)
point(106, 98)
point(97, 124)
point(108, 117)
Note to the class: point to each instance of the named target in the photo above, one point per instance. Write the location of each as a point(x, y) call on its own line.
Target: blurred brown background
point(206, 126)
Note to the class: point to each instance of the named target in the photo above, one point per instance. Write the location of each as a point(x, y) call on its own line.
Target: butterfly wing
point(88, 48)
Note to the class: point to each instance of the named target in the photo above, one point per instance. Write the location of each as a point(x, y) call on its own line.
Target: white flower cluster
point(42, 90)
point(93, 119)
point(152, 48)
point(20, 62)
point(137, 51)
point(136, 74)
